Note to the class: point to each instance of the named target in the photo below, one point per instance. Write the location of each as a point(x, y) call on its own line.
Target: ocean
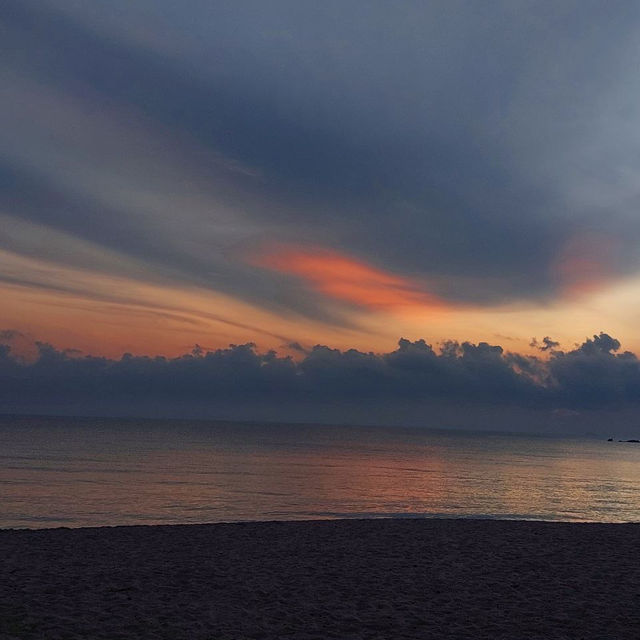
point(80, 472)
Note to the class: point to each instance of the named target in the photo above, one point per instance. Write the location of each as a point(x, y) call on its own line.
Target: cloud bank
point(414, 380)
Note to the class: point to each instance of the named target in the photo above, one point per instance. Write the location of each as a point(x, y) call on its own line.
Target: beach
point(402, 578)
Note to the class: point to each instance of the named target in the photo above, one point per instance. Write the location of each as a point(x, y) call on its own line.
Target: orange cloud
point(350, 280)
point(106, 314)
point(586, 263)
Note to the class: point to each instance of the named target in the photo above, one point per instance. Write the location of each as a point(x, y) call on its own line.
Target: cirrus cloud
point(344, 278)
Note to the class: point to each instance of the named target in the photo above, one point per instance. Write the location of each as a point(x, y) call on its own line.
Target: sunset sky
point(318, 172)
point(297, 173)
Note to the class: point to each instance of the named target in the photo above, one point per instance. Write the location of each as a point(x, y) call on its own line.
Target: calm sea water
point(89, 472)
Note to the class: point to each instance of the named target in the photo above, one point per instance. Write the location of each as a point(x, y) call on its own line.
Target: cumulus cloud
point(594, 376)
point(10, 334)
point(545, 345)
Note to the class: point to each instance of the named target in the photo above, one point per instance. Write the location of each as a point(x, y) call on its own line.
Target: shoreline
point(349, 578)
point(316, 520)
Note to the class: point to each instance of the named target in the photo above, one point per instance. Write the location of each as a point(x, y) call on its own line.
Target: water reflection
point(86, 473)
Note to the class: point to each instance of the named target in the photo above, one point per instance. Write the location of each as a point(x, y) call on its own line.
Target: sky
point(289, 174)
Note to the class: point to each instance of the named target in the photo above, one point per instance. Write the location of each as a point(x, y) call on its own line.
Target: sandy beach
point(325, 579)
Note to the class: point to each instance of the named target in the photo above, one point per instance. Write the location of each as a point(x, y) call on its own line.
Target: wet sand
point(329, 579)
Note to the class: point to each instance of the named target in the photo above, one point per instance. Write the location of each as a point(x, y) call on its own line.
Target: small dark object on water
point(628, 440)
point(610, 440)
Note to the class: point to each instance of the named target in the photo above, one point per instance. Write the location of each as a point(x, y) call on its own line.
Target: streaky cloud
point(469, 145)
point(348, 279)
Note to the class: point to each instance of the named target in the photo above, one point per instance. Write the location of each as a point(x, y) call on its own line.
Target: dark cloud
point(595, 375)
point(463, 143)
point(592, 377)
point(10, 334)
point(546, 345)
point(296, 346)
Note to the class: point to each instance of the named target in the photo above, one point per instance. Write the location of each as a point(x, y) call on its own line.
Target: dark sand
point(332, 579)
